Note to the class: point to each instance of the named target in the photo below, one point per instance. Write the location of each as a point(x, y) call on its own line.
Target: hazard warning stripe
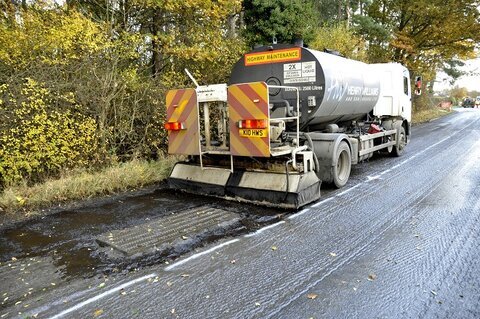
point(182, 107)
point(179, 103)
point(246, 102)
point(182, 141)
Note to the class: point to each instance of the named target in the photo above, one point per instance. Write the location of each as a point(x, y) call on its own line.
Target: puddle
point(67, 238)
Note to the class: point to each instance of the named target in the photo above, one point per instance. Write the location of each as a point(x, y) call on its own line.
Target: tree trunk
point(232, 26)
point(157, 55)
point(348, 11)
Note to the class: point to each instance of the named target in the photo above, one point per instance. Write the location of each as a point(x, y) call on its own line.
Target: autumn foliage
point(82, 84)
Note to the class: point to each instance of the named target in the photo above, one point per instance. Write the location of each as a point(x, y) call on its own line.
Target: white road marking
point(348, 190)
point(322, 201)
point(195, 256)
point(299, 213)
point(102, 295)
point(261, 230)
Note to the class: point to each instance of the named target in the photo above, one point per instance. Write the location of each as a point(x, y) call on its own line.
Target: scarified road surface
point(402, 240)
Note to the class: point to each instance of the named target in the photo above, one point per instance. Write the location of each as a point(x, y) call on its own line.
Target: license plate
point(253, 133)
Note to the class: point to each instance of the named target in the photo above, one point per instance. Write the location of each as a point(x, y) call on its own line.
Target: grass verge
point(423, 116)
point(83, 184)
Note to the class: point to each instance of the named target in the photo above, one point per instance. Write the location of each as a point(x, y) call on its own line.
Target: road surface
point(401, 240)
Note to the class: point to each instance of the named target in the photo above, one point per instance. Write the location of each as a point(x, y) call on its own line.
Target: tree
point(342, 39)
point(451, 68)
point(458, 93)
point(285, 20)
point(421, 33)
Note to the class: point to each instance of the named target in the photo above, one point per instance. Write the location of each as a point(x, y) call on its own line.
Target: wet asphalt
point(401, 240)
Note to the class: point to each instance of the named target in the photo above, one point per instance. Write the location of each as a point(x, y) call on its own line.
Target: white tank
point(333, 89)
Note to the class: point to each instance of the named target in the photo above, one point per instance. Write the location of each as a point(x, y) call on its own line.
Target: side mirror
point(418, 85)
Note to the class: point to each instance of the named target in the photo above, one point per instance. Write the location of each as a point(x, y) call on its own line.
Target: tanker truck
point(289, 119)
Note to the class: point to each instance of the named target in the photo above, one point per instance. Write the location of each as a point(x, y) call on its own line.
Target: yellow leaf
point(312, 296)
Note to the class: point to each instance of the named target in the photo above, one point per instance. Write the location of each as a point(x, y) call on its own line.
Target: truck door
point(406, 97)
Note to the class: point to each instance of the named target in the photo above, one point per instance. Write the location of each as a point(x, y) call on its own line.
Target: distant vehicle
point(468, 102)
point(477, 101)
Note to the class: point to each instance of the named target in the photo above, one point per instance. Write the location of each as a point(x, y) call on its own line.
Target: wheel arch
point(325, 146)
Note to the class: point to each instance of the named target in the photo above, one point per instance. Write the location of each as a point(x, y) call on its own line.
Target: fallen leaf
point(372, 277)
point(98, 312)
point(274, 248)
point(169, 283)
point(20, 200)
point(312, 296)
point(101, 285)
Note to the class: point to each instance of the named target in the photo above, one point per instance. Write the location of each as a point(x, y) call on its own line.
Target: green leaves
point(284, 19)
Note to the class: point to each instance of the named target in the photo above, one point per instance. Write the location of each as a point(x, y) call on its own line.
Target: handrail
point(297, 117)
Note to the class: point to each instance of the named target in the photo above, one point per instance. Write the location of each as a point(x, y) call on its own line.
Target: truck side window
point(405, 85)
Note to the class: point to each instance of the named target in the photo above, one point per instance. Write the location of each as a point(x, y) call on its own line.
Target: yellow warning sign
point(274, 56)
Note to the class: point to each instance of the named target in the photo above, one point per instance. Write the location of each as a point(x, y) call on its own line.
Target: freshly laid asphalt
point(401, 240)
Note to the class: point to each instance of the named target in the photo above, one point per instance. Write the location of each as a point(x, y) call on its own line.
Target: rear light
point(174, 126)
point(253, 124)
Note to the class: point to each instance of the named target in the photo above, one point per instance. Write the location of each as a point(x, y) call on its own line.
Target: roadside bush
point(38, 137)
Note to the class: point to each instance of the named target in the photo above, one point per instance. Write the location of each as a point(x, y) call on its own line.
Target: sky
point(471, 82)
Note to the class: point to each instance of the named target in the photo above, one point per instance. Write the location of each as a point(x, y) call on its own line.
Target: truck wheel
point(402, 142)
point(341, 171)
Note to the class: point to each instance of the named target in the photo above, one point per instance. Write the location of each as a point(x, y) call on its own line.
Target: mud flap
point(260, 187)
point(194, 179)
point(270, 189)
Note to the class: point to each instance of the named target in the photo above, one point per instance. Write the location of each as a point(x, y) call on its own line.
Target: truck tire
point(341, 171)
point(402, 142)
